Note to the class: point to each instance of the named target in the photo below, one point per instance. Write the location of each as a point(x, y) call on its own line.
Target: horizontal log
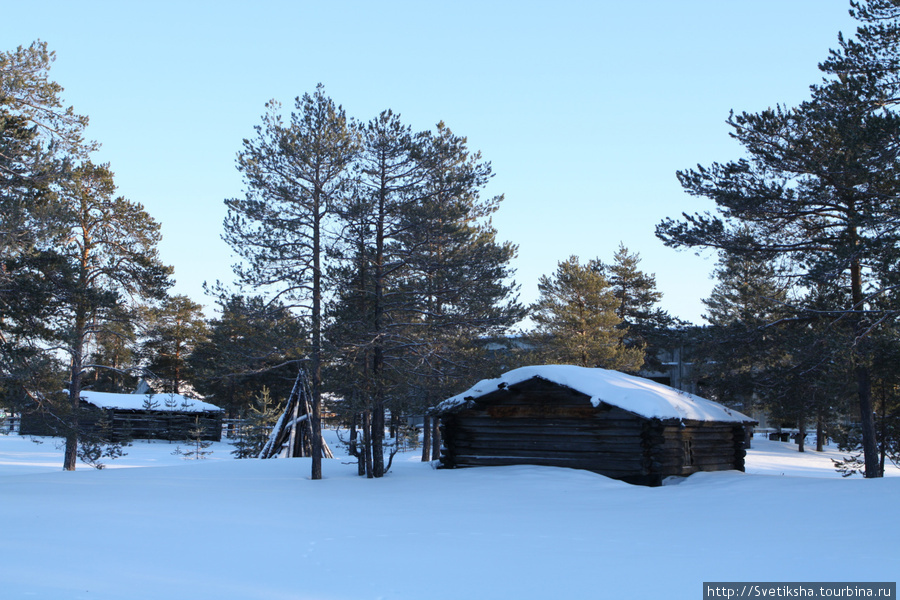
point(714, 434)
point(611, 458)
point(610, 470)
point(538, 425)
point(701, 465)
point(545, 436)
point(475, 420)
point(698, 446)
point(608, 455)
point(544, 453)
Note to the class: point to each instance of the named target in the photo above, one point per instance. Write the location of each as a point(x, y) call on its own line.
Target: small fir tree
point(197, 448)
point(100, 443)
point(257, 421)
point(150, 403)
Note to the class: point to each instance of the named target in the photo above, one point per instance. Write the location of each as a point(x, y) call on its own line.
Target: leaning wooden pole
point(293, 433)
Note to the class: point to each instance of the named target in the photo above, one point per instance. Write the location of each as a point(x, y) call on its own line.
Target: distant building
point(674, 368)
point(137, 416)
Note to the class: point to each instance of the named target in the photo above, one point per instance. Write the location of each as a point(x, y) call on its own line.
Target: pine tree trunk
point(316, 366)
point(820, 433)
point(426, 439)
point(882, 438)
point(176, 378)
point(378, 439)
point(867, 422)
point(70, 458)
point(864, 385)
point(378, 350)
point(367, 442)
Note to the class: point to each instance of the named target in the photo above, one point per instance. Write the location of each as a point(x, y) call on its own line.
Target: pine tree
point(421, 270)
point(174, 329)
point(114, 358)
point(736, 348)
point(815, 193)
point(70, 251)
point(196, 447)
point(459, 272)
point(886, 405)
point(39, 138)
point(648, 327)
point(367, 316)
point(294, 174)
point(870, 58)
point(576, 320)
point(111, 249)
point(251, 345)
point(257, 422)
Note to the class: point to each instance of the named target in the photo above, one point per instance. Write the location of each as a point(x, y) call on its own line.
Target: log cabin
point(138, 416)
point(623, 427)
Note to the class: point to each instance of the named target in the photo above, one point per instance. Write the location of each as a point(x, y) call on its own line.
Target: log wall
point(121, 425)
point(541, 423)
point(164, 425)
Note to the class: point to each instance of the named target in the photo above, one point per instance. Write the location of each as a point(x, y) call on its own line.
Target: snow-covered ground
point(247, 529)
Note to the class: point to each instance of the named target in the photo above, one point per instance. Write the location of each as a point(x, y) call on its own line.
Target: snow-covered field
point(247, 529)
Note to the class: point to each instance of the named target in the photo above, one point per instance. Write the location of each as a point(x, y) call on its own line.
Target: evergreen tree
point(635, 290)
point(576, 320)
point(458, 271)
point(736, 347)
point(251, 345)
point(367, 321)
point(257, 421)
point(112, 250)
point(39, 138)
point(649, 327)
point(294, 175)
point(816, 193)
point(114, 357)
point(175, 328)
point(422, 270)
point(870, 58)
point(886, 405)
point(196, 447)
point(70, 251)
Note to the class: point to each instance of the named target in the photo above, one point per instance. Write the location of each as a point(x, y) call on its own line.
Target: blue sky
point(585, 109)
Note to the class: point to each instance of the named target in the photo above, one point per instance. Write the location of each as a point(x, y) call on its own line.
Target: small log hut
point(624, 427)
point(120, 417)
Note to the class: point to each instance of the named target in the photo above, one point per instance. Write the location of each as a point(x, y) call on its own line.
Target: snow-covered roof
point(163, 402)
point(640, 396)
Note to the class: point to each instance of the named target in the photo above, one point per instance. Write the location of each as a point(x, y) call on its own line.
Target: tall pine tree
point(39, 140)
point(110, 252)
point(815, 191)
point(294, 174)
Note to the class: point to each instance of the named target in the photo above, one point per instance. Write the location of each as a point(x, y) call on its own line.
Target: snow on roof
point(163, 402)
point(640, 396)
